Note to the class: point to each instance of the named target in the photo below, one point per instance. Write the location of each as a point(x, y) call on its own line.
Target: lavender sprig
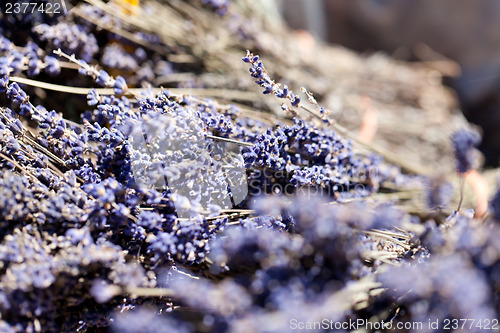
point(257, 71)
point(100, 76)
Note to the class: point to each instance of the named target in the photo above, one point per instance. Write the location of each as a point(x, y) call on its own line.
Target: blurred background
point(460, 38)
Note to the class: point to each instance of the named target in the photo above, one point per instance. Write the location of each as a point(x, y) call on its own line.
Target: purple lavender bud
point(295, 101)
point(16, 94)
point(52, 66)
point(58, 132)
point(120, 85)
point(150, 220)
point(268, 89)
point(285, 92)
point(17, 61)
point(93, 97)
point(5, 44)
point(11, 145)
point(34, 66)
point(16, 127)
point(31, 50)
point(82, 69)
point(464, 143)
point(25, 109)
point(103, 78)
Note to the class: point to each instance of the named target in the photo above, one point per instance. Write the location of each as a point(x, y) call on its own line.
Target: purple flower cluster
point(306, 156)
point(425, 290)
point(71, 38)
point(115, 56)
point(31, 59)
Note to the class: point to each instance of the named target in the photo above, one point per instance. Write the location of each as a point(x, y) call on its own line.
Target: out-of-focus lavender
point(71, 38)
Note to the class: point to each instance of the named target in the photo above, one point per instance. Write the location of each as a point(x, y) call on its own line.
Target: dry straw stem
point(390, 238)
point(220, 93)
